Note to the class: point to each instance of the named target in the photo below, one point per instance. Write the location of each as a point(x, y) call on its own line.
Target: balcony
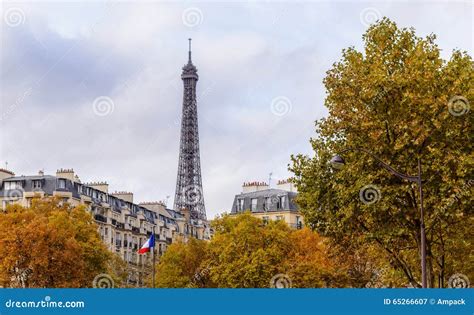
point(100, 218)
point(135, 229)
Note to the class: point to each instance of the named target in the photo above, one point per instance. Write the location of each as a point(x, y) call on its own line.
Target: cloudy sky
point(95, 85)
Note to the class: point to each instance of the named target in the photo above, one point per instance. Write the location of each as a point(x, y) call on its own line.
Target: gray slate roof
point(267, 201)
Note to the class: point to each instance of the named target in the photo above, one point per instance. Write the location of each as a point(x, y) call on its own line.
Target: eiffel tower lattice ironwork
point(189, 193)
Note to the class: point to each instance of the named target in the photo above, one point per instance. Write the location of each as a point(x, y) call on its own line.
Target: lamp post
point(338, 162)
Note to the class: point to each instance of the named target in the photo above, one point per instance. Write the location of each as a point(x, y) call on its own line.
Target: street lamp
point(337, 162)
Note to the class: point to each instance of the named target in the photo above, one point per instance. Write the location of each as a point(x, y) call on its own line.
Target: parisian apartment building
point(123, 224)
point(266, 203)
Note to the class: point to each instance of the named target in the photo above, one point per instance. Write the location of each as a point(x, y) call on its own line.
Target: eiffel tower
point(189, 193)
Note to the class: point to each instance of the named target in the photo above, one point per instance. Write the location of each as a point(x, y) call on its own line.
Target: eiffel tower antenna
point(189, 53)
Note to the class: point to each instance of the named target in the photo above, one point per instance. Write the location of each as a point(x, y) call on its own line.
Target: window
point(279, 217)
point(253, 206)
point(240, 205)
point(118, 240)
point(281, 202)
point(299, 224)
point(267, 204)
point(265, 219)
point(62, 183)
point(12, 185)
point(36, 184)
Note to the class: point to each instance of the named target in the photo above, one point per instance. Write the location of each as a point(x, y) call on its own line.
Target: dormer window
point(240, 205)
point(37, 184)
point(281, 202)
point(13, 185)
point(62, 183)
point(253, 204)
point(267, 204)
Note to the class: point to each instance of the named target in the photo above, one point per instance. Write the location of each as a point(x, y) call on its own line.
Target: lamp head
point(337, 162)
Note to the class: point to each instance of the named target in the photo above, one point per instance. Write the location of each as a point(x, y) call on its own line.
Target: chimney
point(65, 173)
point(77, 179)
point(186, 213)
point(287, 185)
point(102, 186)
point(254, 186)
point(41, 173)
point(4, 173)
point(124, 195)
point(155, 206)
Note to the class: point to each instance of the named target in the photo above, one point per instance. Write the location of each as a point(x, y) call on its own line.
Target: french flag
point(150, 243)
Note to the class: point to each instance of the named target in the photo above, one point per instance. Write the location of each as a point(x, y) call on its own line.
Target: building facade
point(123, 225)
point(269, 204)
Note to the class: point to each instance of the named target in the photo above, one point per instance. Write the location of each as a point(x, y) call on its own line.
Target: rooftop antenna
point(6, 165)
point(167, 197)
point(270, 179)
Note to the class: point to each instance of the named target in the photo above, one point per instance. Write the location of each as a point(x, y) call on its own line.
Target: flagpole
point(153, 253)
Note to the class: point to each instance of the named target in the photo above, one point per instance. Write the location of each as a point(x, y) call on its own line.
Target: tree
point(245, 252)
point(402, 101)
point(309, 263)
point(50, 244)
point(179, 267)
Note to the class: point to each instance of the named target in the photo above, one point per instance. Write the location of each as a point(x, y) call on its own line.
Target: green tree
point(399, 99)
point(50, 244)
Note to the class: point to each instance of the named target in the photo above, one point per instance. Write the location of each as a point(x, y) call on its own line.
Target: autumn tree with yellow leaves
point(50, 245)
point(246, 252)
point(401, 100)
